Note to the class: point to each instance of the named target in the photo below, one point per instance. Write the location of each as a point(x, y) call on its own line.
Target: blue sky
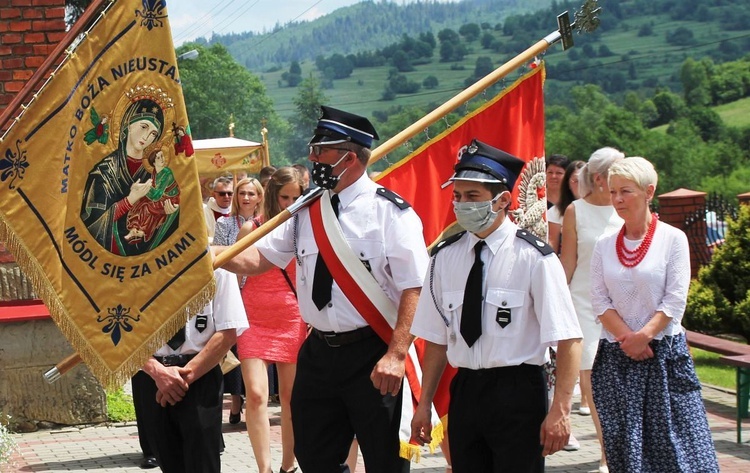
point(191, 19)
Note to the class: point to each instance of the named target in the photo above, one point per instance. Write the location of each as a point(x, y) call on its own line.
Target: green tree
point(669, 107)
point(719, 300)
point(470, 31)
point(307, 103)
point(695, 85)
point(401, 61)
point(430, 82)
point(215, 86)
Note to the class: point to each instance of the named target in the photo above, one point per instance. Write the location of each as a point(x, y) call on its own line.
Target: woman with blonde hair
point(275, 335)
point(644, 381)
point(246, 207)
point(585, 220)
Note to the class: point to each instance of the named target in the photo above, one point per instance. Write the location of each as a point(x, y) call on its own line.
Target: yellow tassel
point(413, 452)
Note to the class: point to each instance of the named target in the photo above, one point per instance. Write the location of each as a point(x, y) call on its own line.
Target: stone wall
point(27, 350)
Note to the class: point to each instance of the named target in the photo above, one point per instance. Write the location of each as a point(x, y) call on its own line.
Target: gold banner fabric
point(228, 155)
point(98, 206)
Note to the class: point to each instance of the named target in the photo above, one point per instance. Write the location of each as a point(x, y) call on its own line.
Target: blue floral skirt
point(651, 412)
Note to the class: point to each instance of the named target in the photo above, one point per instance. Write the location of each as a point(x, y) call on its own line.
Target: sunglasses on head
point(317, 150)
point(225, 193)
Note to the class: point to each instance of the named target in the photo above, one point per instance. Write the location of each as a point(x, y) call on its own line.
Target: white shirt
point(516, 277)
point(389, 239)
point(208, 212)
point(553, 215)
point(224, 312)
point(658, 283)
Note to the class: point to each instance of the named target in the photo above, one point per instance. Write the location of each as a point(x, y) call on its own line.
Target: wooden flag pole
point(585, 21)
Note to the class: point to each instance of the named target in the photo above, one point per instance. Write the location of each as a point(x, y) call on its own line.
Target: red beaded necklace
point(631, 258)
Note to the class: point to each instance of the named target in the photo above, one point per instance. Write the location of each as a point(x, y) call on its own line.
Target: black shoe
point(148, 462)
point(235, 418)
point(282, 470)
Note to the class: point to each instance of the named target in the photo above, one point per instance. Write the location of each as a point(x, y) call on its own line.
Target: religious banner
point(100, 206)
point(512, 121)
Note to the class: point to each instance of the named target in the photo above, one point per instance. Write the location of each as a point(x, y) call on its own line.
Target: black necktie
point(177, 340)
point(322, 279)
point(471, 314)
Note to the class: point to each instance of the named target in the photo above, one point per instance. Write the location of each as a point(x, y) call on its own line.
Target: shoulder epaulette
point(447, 242)
point(537, 243)
point(393, 197)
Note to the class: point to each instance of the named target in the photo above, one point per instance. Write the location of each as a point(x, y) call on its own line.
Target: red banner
point(512, 121)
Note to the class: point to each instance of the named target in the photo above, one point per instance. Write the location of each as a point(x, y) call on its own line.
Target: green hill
point(639, 46)
point(367, 25)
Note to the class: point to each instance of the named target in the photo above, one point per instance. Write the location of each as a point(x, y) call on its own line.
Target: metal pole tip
point(52, 375)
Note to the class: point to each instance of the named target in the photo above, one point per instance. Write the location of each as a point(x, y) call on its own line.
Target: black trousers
point(140, 417)
point(186, 437)
point(333, 399)
point(494, 419)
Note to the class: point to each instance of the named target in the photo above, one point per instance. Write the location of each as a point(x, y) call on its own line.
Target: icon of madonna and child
point(131, 199)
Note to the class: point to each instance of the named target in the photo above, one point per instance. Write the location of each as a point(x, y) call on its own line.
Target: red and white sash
point(365, 294)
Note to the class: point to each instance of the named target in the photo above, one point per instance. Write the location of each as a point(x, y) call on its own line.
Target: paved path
point(113, 448)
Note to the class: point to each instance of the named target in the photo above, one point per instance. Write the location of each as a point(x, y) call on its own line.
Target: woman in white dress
point(585, 220)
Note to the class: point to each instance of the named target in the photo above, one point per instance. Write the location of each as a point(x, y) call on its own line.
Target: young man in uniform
point(348, 379)
point(495, 299)
point(179, 389)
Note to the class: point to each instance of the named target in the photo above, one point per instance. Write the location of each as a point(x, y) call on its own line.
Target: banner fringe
point(411, 452)
point(43, 288)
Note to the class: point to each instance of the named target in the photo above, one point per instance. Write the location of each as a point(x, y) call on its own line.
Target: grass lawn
point(711, 371)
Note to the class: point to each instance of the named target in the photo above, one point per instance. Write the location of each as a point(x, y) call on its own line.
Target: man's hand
point(421, 425)
point(170, 384)
point(388, 374)
point(555, 432)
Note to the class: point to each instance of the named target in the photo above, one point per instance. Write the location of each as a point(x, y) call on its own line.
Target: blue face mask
point(476, 217)
point(322, 174)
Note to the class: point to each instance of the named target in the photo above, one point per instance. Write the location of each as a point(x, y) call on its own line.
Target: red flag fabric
point(512, 121)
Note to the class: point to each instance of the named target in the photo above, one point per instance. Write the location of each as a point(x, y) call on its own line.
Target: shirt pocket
point(503, 312)
point(452, 302)
point(369, 252)
point(307, 251)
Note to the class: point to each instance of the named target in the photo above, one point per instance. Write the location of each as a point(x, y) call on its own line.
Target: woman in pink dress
point(275, 335)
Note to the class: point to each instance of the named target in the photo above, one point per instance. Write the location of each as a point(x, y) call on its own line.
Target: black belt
point(502, 371)
point(337, 339)
point(174, 360)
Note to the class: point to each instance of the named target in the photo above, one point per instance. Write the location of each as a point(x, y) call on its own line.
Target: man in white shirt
point(179, 389)
point(348, 378)
point(494, 300)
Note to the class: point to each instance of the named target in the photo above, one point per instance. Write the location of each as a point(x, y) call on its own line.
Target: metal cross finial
point(587, 20)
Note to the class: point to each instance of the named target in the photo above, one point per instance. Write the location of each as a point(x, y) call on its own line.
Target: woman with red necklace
point(644, 382)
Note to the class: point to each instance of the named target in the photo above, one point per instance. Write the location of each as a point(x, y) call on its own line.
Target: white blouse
point(658, 283)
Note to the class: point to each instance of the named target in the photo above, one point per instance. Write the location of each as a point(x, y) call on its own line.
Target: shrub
point(8, 446)
point(719, 300)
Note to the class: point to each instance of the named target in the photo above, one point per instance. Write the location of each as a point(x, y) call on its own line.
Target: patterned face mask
point(322, 174)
